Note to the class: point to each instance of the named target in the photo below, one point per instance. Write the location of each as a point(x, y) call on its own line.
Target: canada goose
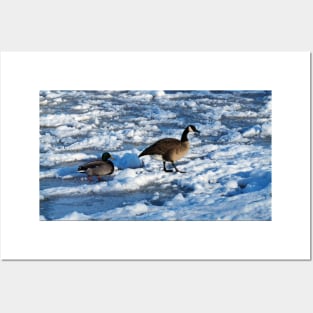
point(98, 168)
point(171, 149)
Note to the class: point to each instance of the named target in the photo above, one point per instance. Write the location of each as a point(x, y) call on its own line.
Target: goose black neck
point(184, 137)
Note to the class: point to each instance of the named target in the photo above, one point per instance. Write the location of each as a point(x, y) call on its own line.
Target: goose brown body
point(170, 149)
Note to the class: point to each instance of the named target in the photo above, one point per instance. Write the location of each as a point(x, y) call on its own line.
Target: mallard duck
point(98, 168)
point(171, 149)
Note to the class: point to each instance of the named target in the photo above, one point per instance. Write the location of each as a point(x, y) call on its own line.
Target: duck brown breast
point(101, 170)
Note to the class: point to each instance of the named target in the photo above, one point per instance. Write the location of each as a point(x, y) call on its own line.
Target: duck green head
point(106, 156)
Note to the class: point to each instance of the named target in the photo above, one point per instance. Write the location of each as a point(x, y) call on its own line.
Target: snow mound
point(128, 160)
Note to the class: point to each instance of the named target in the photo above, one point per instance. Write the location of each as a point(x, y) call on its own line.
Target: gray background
point(166, 286)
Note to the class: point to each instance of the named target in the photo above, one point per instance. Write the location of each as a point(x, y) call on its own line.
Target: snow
point(232, 136)
point(50, 158)
point(267, 129)
point(75, 216)
point(228, 167)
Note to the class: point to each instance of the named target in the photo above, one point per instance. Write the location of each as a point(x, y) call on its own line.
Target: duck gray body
point(98, 168)
point(170, 149)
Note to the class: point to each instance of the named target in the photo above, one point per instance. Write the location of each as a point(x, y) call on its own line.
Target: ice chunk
point(267, 129)
point(252, 131)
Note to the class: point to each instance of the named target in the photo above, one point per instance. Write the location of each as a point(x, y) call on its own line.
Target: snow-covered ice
point(228, 168)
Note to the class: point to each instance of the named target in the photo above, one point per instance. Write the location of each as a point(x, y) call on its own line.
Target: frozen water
point(228, 168)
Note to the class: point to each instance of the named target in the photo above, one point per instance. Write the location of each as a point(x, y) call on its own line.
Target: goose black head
point(192, 129)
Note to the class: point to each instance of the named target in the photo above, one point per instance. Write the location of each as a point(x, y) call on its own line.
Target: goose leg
point(177, 170)
point(165, 169)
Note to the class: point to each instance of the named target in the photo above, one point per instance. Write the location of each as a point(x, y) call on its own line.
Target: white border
point(23, 74)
